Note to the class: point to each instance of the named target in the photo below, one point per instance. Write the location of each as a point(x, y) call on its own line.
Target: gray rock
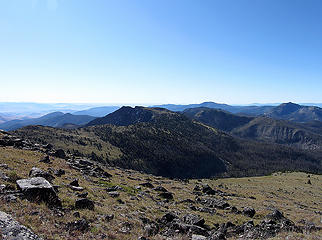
point(38, 189)
point(114, 194)
point(59, 172)
point(76, 188)
point(10, 229)
point(37, 172)
point(248, 211)
point(79, 225)
point(198, 237)
point(194, 220)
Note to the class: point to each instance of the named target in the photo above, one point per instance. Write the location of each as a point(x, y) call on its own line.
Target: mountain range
point(162, 142)
point(55, 119)
point(97, 111)
point(286, 111)
point(301, 135)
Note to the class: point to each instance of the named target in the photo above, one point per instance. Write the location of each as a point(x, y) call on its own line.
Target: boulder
point(74, 183)
point(114, 194)
point(79, 225)
point(249, 212)
point(37, 172)
point(166, 195)
point(59, 172)
point(11, 229)
point(60, 153)
point(198, 237)
point(208, 190)
point(109, 217)
point(38, 189)
point(194, 220)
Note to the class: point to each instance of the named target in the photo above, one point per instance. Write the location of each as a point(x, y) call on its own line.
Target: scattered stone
point(37, 172)
point(4, 166)
point(248, 211)
point(82, 195)
point(76, 188)
point(143, 238)
point(160, 189)
point(114, 188)
point(168, 217)
point(147, 184)
point(166, 195)
point(60, 153)
point(10, 198)
point(114, 194)
point(59, 172)
point(2, 188)
point(79, 225)
point(126, 227)
point(4, 176)
point(213, 203)
point(76, 214)
point(198, 237)
point(194, 220)
point(109, 217)
point(38, 189)
point(84, 203)
point(48, 146)
point(208, 190)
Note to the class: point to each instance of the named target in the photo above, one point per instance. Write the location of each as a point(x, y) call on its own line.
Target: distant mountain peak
point(131, 115)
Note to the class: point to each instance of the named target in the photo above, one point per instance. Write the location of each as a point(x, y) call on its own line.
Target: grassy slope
point(286, 191)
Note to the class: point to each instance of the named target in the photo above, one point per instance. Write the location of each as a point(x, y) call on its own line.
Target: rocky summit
point(47, 193)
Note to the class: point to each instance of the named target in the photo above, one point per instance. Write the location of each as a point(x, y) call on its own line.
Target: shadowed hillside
point(165, 143)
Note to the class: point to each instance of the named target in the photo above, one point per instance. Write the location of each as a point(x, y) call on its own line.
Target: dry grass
point(288, 192)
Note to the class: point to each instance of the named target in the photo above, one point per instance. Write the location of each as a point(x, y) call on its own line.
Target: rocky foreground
point(46, 193)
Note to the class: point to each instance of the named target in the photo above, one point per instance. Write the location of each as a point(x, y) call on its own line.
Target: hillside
point(55, 119)
point(304, 136)
point(217, 118)
point(165, 143)
point(99, 202)
point(297, 113)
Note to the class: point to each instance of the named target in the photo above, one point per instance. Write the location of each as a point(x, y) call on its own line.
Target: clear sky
point(161, 51)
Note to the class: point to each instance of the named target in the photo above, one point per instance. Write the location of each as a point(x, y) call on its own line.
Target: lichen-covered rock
point(38, 189)
point(10, 229)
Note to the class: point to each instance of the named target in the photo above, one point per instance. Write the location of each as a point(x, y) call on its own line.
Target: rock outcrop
point(38, 189)
point(10, 229)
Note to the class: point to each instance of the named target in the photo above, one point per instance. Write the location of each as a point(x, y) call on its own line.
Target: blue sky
point(169, 51)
